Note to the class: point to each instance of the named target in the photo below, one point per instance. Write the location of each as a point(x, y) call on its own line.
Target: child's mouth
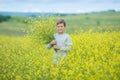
point(59, 30)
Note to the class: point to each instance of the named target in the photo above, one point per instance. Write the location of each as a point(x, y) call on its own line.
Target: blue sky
point(61, 6)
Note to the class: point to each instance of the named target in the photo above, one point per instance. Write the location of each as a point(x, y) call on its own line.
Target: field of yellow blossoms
point(94, 56)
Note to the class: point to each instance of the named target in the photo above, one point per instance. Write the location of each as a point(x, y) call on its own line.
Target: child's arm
point(48, 46)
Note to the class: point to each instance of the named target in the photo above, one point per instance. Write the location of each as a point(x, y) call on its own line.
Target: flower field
point(94, 56)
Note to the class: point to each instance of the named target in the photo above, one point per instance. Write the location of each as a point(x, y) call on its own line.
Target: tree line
point(4, 18)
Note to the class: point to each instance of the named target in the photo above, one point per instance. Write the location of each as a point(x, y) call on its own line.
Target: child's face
point(60, 28)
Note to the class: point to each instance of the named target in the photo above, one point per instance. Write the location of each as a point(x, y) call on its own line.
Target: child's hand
point(56, 47)
point(53, 42)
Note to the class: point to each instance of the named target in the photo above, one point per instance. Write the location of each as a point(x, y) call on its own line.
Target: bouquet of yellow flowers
point(42, 29)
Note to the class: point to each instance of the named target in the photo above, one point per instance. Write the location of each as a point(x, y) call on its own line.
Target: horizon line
point(62, 12)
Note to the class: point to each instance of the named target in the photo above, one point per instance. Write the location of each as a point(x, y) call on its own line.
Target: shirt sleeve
point(68, 45)
point(48, 46)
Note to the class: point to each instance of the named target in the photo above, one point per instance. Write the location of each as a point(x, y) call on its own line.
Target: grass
point(17, 25)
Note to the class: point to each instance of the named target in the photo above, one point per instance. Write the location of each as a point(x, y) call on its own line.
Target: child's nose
point(60, 27)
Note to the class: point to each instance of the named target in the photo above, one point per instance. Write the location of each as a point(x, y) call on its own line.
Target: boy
point(62, 43)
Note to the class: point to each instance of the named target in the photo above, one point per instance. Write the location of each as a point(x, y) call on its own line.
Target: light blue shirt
point(63, 41)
